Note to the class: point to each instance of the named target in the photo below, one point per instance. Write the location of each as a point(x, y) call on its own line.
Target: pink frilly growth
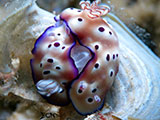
point(95, 10)
point(77, 59)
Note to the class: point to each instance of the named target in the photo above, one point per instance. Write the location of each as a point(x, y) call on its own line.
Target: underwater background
point(141, 16)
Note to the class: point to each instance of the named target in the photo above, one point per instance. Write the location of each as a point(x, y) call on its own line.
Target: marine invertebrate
point(87, 56)
point(51, 66)
point(100, 38)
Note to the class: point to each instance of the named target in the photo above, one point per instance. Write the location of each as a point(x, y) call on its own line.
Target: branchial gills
point(81, 55)
point(48, 87)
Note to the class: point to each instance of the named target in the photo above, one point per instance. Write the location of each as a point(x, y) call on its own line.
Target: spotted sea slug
point(51, 66)
point(76, 60)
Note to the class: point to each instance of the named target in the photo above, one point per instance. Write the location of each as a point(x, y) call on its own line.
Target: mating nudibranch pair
point(76, 60)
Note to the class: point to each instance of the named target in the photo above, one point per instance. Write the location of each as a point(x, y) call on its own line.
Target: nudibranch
point(77, 59)
point(51, 66)
point(87, 93)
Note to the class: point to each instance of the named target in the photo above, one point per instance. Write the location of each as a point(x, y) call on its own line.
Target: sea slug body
point(51, 66)
point(77, 59)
